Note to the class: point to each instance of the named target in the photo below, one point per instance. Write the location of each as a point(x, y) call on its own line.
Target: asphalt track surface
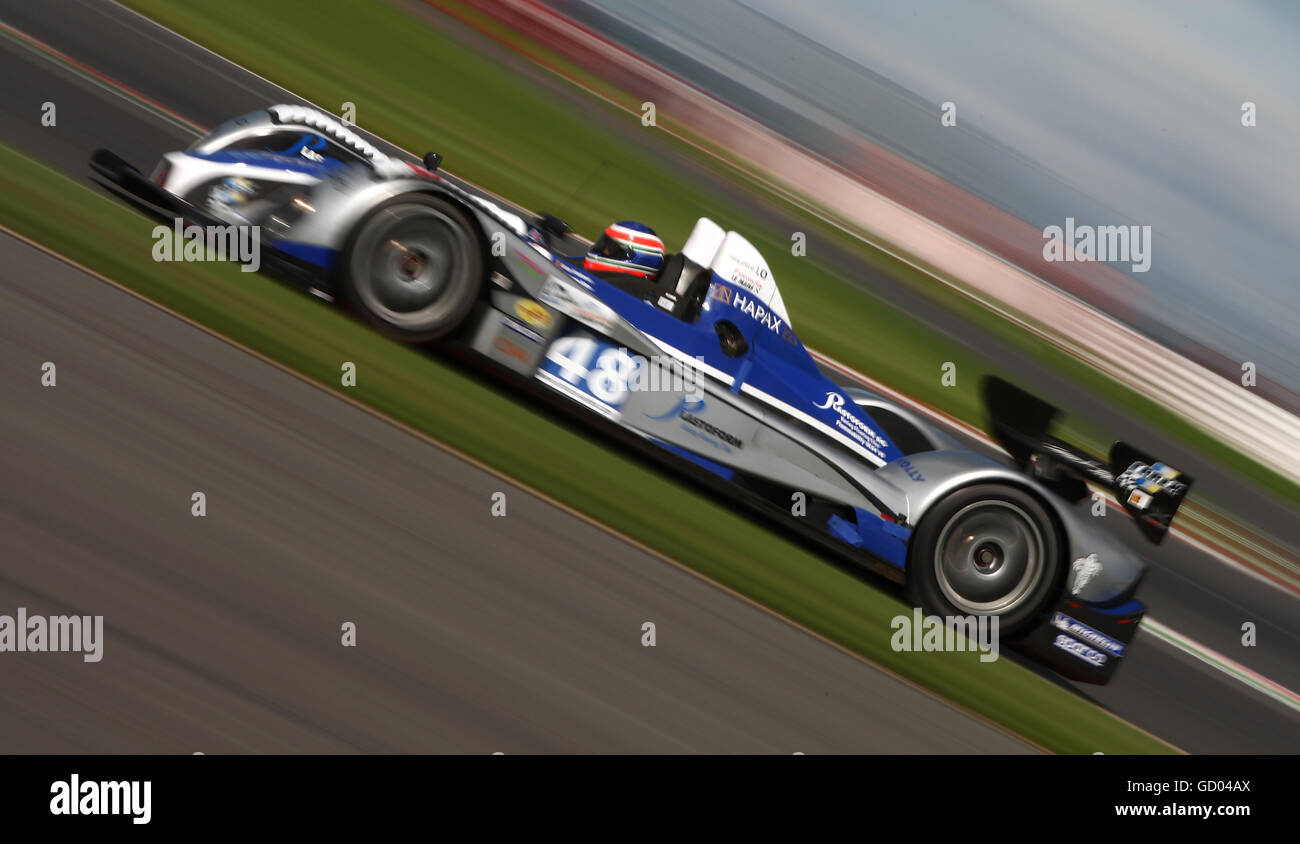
point(458, 698)
point(474, 633)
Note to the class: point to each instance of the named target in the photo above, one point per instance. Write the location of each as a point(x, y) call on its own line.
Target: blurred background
point(1108, 112)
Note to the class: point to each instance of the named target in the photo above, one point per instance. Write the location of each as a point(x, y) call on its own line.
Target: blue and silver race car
point(694, 356)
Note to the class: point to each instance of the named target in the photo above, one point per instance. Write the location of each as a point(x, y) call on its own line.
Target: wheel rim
point(989, 558)
point(410, 266)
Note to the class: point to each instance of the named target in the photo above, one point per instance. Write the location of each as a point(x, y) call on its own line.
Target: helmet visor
point(607, 247)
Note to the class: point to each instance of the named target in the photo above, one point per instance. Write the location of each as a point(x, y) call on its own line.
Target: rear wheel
point(990, 549)
point(414, 268)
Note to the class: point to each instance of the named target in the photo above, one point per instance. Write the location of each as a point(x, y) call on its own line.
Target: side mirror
point(552, 229)
point(553, 225)
point(432, 161)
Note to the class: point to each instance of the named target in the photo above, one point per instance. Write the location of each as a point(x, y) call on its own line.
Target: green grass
point(423, 392)
point(416, 86)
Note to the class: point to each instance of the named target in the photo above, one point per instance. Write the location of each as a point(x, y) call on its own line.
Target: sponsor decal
point(506, 346)
point(711, 429)
point(521, 330)
point(530, 263)
point(1085, 569)
point(1081, 631)
point(515, 344)
point(1149, 480)
point(912, 472)
point(1139, 499)
point(688, 410)
point(754, 309)
point(859, 431)
point(833, 400)
point(1079, 649)
point(748, 276)
point(741, 267)
point(534, 314)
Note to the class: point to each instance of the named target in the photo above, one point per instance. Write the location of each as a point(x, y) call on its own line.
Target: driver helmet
point(627, 247)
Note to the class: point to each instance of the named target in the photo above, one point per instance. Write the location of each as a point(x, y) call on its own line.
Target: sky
point(1111, 112)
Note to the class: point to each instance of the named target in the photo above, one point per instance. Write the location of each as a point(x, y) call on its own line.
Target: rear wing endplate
point(1149, 490)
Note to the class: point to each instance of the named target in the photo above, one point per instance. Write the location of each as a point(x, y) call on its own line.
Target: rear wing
point(1148, 489)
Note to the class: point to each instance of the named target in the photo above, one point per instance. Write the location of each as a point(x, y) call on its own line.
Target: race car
point(693, 357)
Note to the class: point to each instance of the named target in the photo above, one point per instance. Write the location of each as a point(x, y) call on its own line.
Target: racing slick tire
point(414, 268)
point(988, 549)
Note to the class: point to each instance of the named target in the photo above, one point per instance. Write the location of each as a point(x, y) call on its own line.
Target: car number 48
point(598, 368)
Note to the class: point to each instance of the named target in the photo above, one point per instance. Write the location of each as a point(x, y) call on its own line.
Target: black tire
point(414, 268)
point(989, 549)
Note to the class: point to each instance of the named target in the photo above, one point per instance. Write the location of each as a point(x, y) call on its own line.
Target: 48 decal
point(600, 369)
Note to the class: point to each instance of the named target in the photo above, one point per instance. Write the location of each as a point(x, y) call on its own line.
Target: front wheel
point(989, 549)
point(414, 268)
